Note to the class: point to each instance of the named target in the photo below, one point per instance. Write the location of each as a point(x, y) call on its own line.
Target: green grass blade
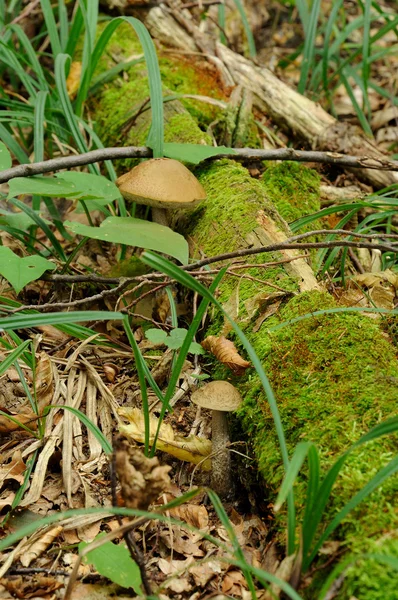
point(238, 552)
point(97, 433)
point(31, 527)
point(326, 47)
point(43, 226)
point(373, 484)
point(74, 32)
point(27, 321)
point(156, 134)
point(11, 358)
point(21, 490)
point(246, 27)
point(31, 54)
point(20, 425)
point(63, 24)
point(51, 26)
point(309, 46)
point(302, 7)
point(12, 145)
point(139, 360)
point(365, 55)
point(38, 131)
point(359, 112)
point(90, 30)
point(293, 470)
point(222, 22)
point(60, 80)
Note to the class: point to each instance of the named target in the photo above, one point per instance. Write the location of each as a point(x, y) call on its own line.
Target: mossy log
point(334, 375)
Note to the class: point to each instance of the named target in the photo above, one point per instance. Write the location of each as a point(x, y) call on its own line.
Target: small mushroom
point(162, 183)
point(221, 397)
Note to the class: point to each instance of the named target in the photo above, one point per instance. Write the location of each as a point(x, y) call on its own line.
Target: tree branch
point(330, 158)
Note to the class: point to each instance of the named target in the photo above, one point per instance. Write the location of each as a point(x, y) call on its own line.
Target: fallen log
point(333, 374)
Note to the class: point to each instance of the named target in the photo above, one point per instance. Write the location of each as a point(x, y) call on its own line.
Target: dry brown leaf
point(224, 350)
point(13, 470)
point(44, 381)
point(142, 479)
point(38, 586)
point(206, 571)
point(169, 567)
point(192, 514)
point(73, 79)
point(191, 448)
point(234, 583)
point(183, 541)
point(38, 547)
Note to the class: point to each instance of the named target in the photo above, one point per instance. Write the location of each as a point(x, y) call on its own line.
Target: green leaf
point(92, 186)
point(72, 184)
point(176, 338)
point(5, 157)
point(194, 153)
point(156, 336)
point(20, 271)
point(19, 220)
point(114, 562)
point(196, 348)
point(136, 232)
point(42, 186)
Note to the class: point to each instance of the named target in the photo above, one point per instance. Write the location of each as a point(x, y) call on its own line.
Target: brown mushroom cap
point(163, 183)
point(217, 395)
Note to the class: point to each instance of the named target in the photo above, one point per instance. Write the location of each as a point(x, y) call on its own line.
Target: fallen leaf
point(192, 514)
point(224, 350)
point(38, 547)
point(73, 79)
point(183, 541)
point(38, 586)
point(13, 470)
point(205, 572)
point(234, 583)
point(191, 449)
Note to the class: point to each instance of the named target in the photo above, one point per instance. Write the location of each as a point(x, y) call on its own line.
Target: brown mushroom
point(220, 397)
point(162, 183)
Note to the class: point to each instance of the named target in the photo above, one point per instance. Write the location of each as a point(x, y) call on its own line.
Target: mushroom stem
point(159, 215)
point(221, 460)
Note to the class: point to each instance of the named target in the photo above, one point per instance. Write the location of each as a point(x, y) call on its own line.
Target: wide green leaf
point(92, 186)
point(72, 184)
point(20, 271)
point(5, 157)
point(136, 232)
point(194, 153)
point(17, 220)
point(114, 562)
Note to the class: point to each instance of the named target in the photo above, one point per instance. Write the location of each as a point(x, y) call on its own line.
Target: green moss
point(120, 99)
point(329, 376)
point(294, 190)
point(369, 579)
point(328, 372)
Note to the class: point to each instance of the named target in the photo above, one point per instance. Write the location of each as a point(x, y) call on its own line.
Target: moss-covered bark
point(334, 375)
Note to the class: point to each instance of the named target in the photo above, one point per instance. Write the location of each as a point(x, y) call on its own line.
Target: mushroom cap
point(217, 395)
point(161, 182)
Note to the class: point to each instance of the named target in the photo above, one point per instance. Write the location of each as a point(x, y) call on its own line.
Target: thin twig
point(330, 158)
